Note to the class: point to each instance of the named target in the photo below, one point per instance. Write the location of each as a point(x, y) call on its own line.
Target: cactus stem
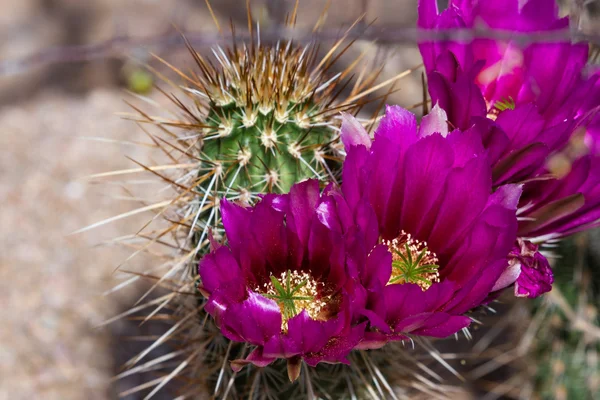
point(258, 119)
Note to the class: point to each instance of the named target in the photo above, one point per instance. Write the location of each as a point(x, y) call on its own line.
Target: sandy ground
point(51, 283)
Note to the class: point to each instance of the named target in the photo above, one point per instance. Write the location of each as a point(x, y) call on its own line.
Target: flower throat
point(412, 262)
point(295, 291)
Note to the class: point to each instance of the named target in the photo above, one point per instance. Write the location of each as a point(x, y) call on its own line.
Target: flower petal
point(353, 133)
point(256, 320)
point(434, 122)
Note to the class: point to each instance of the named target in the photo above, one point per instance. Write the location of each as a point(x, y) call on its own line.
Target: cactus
point(258, 117)
point(268, 124)
point(262, 118)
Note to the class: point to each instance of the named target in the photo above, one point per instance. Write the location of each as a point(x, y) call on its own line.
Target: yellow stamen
point(412, 262)
point(296, 291)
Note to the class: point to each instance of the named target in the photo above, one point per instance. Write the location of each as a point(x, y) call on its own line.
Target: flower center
point(412, 262)
point(295, 291)
point(499, 106)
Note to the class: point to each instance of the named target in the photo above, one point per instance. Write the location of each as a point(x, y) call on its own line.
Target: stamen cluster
point(295, 291)
point(412, 262)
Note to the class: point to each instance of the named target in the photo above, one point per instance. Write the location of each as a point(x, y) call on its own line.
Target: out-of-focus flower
point(449, 236)
point(556, 208)
point(281, 283)
point(509, 72)
point(527, 100)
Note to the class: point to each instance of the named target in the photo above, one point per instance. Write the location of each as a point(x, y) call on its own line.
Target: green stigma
point(412, 262)
point(507, 104)
point(293, 292)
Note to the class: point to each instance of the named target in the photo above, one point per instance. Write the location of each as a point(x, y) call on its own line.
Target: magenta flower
point(529, 270)
point(281, 284)
point(508, 72)
point(527, 101)
point(555, 208)
point(536, 92)
point(447, 234)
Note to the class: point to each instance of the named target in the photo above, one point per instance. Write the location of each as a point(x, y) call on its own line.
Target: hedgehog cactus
point(267, 125)
point(264, 117)
point(257, 118)
point(268, 122)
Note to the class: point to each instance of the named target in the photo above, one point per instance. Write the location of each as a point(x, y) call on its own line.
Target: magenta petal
point(402, 301)
point(366, 220)
point(269, 233)
point(426, 167)
point(555, 67)
point(536, 276)
point(232, 292)
point(523, 125)
point(493, 138)
point(520, 164)
point(282, 347)
point(218, 268)
point(256, 357)
point(461, 99)
point(303, 197)
point(256, 320)
point(414, 322)
point(338, 348)
point(534, 280)
point(396, 132)
point(475, 291)
point(435, 324)
point(235, 221)
point(310, 335)
point(564, 206)
point(327, 213)
point(372, 341)
point(354, 174)
point(446, 328)
point(508, 277)
point(465, 146)
point(378, 268)
point(507, 196)
point(377, 321)
point(491, 239)
point(398, 125)
point(467, 191)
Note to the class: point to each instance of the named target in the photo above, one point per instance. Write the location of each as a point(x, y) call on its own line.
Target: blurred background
point(66, 67)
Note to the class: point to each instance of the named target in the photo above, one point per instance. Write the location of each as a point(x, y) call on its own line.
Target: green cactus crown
point(260, 117)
